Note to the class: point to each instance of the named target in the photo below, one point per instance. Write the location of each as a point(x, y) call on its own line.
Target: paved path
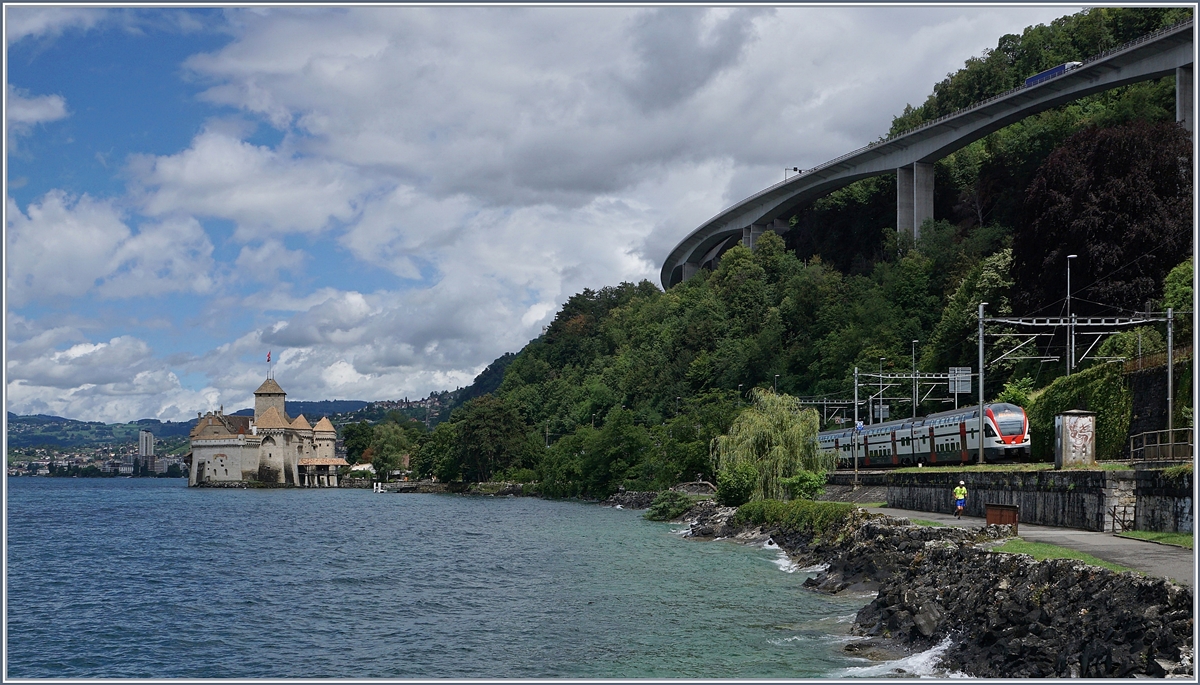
point(1160, 561)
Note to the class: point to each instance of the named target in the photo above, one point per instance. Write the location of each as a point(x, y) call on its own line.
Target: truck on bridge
point(1051, 73)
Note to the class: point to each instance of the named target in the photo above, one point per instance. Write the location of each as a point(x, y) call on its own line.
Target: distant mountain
point(42, 430)
point(313, 410)
point(56, 431)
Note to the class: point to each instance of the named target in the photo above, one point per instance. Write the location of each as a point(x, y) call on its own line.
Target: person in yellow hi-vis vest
point(960, 498)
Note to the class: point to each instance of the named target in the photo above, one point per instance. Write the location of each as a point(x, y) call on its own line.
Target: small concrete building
point(269, 447)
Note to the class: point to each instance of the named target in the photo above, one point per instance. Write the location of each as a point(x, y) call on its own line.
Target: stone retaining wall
point(1163, 504)
point(1086, 500)
point(864, 478)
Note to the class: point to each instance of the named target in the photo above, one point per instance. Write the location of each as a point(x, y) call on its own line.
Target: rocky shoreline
point(1006, 615)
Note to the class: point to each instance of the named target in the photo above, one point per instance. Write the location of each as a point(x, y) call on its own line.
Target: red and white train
point(951, 437)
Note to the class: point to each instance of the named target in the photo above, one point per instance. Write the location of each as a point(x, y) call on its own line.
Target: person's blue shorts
point(960, 502)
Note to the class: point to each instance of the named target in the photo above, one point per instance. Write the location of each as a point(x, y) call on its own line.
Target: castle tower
point(268, 395)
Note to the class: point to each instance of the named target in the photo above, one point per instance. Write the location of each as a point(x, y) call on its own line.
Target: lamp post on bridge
point(915, 391)
point(1070, 320)
point(880, 389)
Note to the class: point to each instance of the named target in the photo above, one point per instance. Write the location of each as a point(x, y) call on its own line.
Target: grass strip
point(975, 468)
point(1177, 539)
point(1042, 551)
point(1018, 467)
point(930, 524)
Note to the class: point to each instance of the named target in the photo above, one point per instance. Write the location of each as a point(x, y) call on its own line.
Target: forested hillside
point(629, 385)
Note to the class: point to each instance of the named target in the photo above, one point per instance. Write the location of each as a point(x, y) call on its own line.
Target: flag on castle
point(268, 356)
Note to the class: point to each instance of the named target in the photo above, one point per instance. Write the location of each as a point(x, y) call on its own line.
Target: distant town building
point(269, 447)
point(146, 449)
point(162, 465)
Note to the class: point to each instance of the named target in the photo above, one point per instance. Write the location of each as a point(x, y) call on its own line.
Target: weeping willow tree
point(777, 437)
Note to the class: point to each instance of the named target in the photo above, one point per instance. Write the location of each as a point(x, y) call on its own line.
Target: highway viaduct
point(911, 155)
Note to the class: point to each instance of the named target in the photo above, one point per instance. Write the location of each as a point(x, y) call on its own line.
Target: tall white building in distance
point(145, 444)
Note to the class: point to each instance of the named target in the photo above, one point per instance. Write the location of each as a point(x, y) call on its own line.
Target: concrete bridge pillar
point(914, 197)
point(1184, 112)
point(750, 234)
point(689, 270)
point(922, 196)
point(904, 200)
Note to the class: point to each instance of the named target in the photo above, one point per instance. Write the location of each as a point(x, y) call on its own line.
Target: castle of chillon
point(269, 447)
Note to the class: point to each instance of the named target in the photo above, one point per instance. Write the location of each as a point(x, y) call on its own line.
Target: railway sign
point(960, 379)
point(858, 426)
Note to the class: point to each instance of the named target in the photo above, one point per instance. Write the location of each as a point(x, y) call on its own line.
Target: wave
point(919, 665)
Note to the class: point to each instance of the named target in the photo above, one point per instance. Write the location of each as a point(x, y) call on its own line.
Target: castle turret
point(268, 395)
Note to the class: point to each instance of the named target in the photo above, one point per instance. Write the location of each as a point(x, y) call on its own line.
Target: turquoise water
point(147, 578)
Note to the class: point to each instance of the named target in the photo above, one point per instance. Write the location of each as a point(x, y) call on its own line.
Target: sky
point(387, 199)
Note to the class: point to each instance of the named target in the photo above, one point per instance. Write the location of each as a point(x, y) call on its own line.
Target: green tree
point(1127, 344)
point(1177, 294)
point(613, 453)
point(1121, 199)
point(491, 437)
point(389, 447)
point(955, 338)
point(778, 437)
point(1017, 392)
point(357, 437)
point(439, 445)
point(736, 484)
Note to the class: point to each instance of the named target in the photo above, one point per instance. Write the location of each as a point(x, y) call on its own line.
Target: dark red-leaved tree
point(1121, 199)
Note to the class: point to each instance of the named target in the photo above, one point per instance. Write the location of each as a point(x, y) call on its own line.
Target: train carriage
point(950, 437)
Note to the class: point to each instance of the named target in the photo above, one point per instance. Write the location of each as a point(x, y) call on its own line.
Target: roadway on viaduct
point(911, 154)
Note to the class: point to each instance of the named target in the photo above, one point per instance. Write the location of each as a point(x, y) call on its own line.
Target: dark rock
point(631, 499)
point(1011, 616)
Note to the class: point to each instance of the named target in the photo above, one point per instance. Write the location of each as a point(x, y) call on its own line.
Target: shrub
point(796, 516)
point(1017, 392)
point(735, 484)
point(1100, 389)
point(804, 485)
point(517, 475)
point(669, 505)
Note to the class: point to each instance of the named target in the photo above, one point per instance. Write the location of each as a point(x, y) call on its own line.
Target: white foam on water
point(618, 507)
point(785, 563)
point(816, 568)
point(682, 531)
point(921, 665)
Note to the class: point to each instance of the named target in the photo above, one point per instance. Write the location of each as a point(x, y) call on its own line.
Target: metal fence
point(1150, 361)
point(1158, 445)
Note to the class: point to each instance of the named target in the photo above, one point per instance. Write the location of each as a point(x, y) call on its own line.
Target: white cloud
point(66, 246)
point(34, 21)
point(113, 381)
point(264, 262)
point(24, 112)
point(264, 191)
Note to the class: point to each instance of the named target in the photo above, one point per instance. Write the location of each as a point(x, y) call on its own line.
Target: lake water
point(148, 578)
